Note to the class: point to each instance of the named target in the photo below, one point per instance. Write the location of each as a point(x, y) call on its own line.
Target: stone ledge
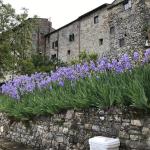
point(9, 145)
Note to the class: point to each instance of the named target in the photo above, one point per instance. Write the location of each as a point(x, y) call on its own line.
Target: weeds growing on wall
point(106, 83)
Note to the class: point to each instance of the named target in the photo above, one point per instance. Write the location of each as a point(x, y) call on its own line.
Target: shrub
point(91, 56)
point(85, 57)
point(38, 63)
point(27, 67)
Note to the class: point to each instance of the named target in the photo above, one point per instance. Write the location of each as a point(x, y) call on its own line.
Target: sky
point(60, 12)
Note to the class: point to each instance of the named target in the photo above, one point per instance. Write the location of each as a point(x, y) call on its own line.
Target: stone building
point(42, 27)
point(108, 29)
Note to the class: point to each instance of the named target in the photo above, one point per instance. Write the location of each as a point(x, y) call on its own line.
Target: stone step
point(5, 144)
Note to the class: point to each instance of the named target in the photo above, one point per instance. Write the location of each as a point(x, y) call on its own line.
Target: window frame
point(68, 52)
point(48, 39)
point(54, 56)
point(53, 45)
point(96, 19)
point(56, 43)
point(121, 42)
point(71, 37)
point(147, 42)
point(101, 42)
point(112, 30)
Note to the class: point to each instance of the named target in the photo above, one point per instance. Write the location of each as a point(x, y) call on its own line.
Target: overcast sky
point(61, 12)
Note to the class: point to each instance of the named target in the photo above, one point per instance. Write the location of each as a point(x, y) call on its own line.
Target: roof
point(94, 10)
point(62, 27)
point(81, 17)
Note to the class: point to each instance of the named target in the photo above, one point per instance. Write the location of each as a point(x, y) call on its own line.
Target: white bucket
point(104, 143)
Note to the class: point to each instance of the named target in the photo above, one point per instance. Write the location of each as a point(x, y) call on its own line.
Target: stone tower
point(41, 28)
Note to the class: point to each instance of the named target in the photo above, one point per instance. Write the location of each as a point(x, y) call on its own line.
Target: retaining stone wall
point(71, 130)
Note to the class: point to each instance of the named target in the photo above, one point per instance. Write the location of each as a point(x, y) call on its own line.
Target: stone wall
point(91, 34)
point(41, 28)
point(147, 18)
point(71, 130)
point(87, 35)
point(147, 5)
point(128, 25)
point(65, 45)
point(52, 50)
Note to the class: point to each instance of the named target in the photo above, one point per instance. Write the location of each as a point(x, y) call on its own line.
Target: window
point(53, 56)
point(95, 19)
point(127, 4)
point(147, 44)
point(100, 42)
point(112, 30)
point(54, 44)
point(48, 39)
point(71, 37)
point(122, 42)
point(68, 52)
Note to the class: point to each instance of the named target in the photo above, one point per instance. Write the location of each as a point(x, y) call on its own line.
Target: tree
point(15, 37)
point(23, 35)
point(7, 17)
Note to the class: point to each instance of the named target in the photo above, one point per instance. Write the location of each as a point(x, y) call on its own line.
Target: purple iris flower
point(23, 84)
point(61, 83)
point(135, 56)
point(146, 56)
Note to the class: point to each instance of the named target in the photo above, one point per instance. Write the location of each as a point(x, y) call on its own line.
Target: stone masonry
point(42, 26)
point(71, 130)
point(128, 25)
point(109, 29)
point(91, 33)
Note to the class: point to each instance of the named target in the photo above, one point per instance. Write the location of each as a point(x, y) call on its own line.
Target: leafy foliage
point(15, 37)
point(84, 56)
point(103, 92)
point(26, 67)
point(39, 63)
point(7, 15)
point(80, 87)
